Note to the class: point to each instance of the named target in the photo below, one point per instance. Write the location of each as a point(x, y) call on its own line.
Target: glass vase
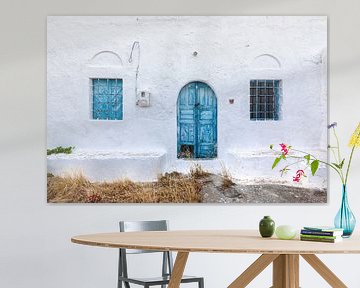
point(345, 219)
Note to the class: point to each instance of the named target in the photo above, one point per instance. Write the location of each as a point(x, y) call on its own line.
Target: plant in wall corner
point(60, 150)
point(344, 218)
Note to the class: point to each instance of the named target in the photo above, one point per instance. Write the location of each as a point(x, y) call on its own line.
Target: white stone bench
point(108, 165)
point(256, 165)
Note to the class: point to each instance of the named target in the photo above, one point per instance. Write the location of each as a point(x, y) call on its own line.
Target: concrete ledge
point(250, 165)
point(109, 165)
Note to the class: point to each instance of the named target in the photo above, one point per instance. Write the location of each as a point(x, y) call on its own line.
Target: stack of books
point(321, 234)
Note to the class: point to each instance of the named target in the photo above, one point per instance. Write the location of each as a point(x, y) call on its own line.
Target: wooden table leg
point(178, 269)
point(279, 271)
point(293, 262)
point(324, 271)
point(253, 270)
point(286, 271)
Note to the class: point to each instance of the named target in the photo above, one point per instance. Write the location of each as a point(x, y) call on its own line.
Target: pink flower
point(284, 148)
point(298, 175)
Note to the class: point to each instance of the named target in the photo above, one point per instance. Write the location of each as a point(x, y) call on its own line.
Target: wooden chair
point(167, 262)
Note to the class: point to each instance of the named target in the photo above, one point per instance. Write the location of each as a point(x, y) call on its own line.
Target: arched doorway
point(197, 121)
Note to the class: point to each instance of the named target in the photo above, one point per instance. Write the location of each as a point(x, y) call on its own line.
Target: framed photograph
point(185, 109)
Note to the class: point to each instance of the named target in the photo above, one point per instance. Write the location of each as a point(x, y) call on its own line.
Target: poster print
point(180, 109)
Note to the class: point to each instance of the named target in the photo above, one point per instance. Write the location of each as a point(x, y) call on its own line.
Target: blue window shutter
point(107, 99)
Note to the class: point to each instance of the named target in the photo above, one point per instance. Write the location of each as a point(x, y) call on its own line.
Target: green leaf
point(339, 166)
point(307, 157)
point(276, 162)
point(271, 146)
point(342, 163)
point(336, 165)
point(314, 166)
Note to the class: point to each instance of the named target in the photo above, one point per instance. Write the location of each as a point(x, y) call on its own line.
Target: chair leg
point(201, 283)
point(119, 270)
point(165, 266)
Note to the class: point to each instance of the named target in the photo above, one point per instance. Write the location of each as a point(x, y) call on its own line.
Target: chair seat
point(158, 280)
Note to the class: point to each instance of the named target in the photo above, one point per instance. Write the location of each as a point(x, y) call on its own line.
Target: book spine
point(318, 236)
point(317, 239)
point(319, 233)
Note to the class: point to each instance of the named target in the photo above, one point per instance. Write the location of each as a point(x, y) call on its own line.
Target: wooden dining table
point(283, 254)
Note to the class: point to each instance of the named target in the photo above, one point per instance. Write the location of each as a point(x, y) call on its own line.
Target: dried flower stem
point(351, 156)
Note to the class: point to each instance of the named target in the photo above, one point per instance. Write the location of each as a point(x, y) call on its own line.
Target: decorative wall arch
point(266, 61)
point(106, 58)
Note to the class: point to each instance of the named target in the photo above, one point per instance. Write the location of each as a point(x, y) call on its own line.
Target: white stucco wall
point(231, 51)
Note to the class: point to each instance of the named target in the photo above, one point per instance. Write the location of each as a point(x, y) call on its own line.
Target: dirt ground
point(213, 191)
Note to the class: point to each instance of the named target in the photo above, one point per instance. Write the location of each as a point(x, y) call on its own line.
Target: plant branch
point(293, 163)
point(323, 162)
point(348, 167)
point(338, 145)
point(333, 152)
point(339, 155)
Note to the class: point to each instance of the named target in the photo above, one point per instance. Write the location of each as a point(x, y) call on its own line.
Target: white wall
point(35, 236)
point(231, 52)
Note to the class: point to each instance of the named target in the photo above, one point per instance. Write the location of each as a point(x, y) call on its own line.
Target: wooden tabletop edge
point(223, 241)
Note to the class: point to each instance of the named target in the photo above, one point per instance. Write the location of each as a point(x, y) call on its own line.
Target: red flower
point(284, 149)
point(298, 175)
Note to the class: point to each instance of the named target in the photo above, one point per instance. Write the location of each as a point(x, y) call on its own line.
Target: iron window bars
point(264, 99)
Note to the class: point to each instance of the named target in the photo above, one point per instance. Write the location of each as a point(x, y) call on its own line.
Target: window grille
point(107, 99)
point(264, 99)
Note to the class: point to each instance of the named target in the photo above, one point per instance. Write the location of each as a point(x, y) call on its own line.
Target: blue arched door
point(197, 121)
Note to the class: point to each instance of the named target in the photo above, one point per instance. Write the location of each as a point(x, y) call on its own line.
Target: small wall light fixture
point(231, 101)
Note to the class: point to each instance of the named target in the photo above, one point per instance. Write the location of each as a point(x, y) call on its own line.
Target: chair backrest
point(137, 226)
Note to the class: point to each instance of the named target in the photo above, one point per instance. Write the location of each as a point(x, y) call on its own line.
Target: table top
point(216, 241)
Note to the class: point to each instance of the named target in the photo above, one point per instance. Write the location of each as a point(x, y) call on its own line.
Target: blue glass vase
point(345, 219)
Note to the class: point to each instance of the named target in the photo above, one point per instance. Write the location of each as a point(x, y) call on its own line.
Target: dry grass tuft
point(198, 172)
point(62, 188)
point(226, 178)
point(227, 183)
point(171, 187)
